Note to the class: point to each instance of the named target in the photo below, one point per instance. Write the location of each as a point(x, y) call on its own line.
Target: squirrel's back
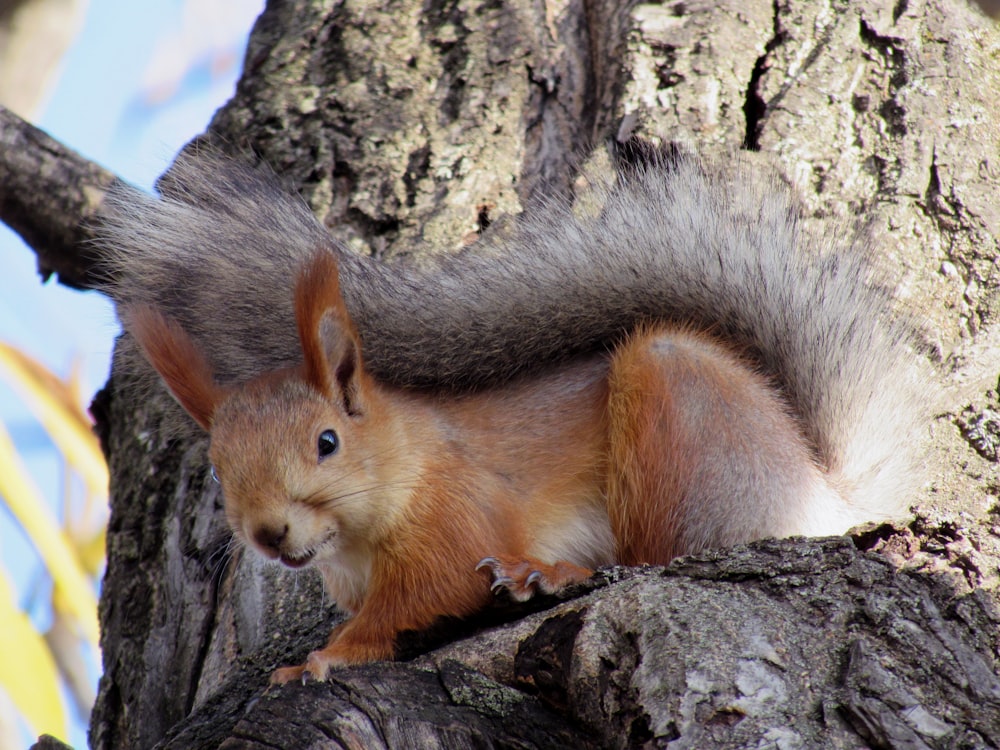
point(668, 237)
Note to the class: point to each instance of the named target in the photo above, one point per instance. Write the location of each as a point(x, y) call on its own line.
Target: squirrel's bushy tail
point(668, 237)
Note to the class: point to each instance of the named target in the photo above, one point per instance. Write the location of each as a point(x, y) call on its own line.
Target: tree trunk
point(408, 127)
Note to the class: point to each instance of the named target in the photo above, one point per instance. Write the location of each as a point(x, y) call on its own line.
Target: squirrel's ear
point(181, 364)
point(331, 349)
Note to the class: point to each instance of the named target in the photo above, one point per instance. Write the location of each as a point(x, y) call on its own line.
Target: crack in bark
point(222, 550)
point(754, 105)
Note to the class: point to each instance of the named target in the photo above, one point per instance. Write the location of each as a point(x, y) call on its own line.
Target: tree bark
point(50, 195)
point(410, 127)
point(807, 643)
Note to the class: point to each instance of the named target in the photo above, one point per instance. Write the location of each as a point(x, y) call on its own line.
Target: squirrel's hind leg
point(703, 451)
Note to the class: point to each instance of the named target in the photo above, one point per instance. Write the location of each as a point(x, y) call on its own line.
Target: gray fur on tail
point(673, 238)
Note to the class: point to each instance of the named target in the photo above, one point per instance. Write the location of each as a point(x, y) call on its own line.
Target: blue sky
point(140, 81)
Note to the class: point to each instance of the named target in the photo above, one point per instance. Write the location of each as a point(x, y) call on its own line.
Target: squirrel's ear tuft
point(178, 360)
point(331, 349)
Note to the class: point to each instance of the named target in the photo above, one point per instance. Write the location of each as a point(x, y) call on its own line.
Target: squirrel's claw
point(499, 582)
point(523, 578)
point(284, 675)
point(488, 562)
point(316, 669)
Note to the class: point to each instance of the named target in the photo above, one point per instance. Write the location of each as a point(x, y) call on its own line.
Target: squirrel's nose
point(269, 538)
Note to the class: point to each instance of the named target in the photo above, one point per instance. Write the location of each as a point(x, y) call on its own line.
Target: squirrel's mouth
point(307, 555)
point(296, 561)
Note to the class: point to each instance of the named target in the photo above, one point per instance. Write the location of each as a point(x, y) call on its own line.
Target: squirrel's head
point(295, 450)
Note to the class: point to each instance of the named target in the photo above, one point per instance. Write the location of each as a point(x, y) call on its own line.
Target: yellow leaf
point(27, 671)
point(56, 551)
point(54, 403)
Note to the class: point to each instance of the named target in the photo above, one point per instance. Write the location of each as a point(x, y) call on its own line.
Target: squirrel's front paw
point(523, 578)
point(287, 674)
point(317, 668)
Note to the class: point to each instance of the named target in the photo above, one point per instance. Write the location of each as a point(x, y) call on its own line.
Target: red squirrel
point(710, 381)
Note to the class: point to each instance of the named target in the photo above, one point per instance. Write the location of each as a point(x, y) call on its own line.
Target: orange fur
point(331, 352)
point(636, 457)
point(418, 575)
point(181, 364)
point(695, 433)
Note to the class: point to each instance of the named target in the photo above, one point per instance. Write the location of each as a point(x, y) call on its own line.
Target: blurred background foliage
point(126, 84)
point(50, 651)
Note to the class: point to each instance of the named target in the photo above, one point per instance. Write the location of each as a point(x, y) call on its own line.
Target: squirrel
point(670, 366)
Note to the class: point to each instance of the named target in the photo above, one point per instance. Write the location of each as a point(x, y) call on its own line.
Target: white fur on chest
point(346, 578)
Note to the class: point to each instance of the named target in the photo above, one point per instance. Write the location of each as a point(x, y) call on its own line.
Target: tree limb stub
point(50, 195)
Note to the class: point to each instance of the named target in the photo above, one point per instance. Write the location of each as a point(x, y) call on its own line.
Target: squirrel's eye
point(215, 474)
point(327, 444)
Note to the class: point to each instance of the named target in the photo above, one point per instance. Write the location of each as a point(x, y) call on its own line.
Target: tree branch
point(50, 195)
point(836, 646)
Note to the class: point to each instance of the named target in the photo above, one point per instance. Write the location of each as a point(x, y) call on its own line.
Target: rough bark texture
point(794, 644)
point(50, 196)
point(408, 127)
